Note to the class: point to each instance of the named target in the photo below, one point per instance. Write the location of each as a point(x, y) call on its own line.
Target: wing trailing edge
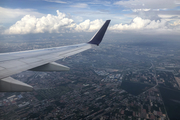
point(97, 38)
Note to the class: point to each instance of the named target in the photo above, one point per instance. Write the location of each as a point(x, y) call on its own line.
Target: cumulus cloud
point(60, 23)
point(148, 4)
point(49, 23)
point(147, 26)
point(89, 26)
point(140, 24)
point(176, 23)
point(154, 10)
point(52, 24)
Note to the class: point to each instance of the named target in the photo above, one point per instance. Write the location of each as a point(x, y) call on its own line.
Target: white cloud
point(153, 10)
point(8, 15)
point(89, 26)
point(52, 24)
point(49, 23)
point(138, 10)
point(80, 5)
point(55, 1)
point(176, 23)
point(148, 4)
point(140, 24)
point(60, 23)
point(148, 26)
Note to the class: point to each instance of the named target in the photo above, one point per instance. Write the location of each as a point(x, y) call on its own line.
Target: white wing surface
point(39, 60)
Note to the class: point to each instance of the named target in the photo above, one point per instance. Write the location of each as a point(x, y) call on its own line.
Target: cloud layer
point(62, 24)
point(31, 24)
point(52, 24)
point(140, 24)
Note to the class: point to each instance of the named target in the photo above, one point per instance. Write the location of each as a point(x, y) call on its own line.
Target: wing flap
point(11, 85)
point(53, 66)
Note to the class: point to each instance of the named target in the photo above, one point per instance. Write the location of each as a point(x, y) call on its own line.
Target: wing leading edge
point(39, 60)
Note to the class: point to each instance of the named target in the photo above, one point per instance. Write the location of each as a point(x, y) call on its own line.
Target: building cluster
point(98, 98)
point(93, 88)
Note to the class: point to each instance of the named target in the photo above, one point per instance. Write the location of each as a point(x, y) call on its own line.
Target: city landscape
point(116, 81)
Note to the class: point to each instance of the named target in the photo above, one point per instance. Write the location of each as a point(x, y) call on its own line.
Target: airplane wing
point(39, 60)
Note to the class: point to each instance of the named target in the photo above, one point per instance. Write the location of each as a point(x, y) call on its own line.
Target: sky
point(58, 17)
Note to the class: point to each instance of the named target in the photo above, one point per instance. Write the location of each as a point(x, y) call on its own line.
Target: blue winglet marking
point(97, 38)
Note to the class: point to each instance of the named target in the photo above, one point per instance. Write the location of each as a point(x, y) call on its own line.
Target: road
point(152, 67)
point(153, 74)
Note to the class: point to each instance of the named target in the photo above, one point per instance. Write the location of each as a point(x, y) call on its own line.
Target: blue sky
point(67, 16)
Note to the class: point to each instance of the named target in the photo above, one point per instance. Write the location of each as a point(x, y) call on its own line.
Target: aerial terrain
point(133, 74)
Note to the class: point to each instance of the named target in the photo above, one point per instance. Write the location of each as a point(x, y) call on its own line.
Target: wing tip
point(97, 38)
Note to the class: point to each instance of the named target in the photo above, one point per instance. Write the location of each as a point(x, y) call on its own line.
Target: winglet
point(97, 38)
